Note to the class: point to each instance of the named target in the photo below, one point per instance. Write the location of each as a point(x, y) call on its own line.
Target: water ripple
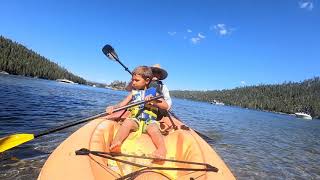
point(254, 144)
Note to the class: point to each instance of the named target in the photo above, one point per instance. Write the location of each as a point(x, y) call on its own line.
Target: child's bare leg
point(158, 141)
point(122, 133)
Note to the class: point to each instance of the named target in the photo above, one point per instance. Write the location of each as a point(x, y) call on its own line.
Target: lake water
point(254, 144)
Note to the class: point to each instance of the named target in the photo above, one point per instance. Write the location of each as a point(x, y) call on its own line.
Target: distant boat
point(303, 115)
point(217, 102)
point(220, 103)
point(65, 81)
point(3, 72)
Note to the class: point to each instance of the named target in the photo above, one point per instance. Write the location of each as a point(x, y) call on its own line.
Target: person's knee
point(166, 119)
point(129, 123)
point(153, 128)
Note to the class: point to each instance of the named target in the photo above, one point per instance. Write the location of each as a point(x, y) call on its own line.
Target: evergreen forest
point(288, 97)
point(19, 60)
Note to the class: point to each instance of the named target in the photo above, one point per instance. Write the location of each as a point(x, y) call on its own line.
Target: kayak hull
point(97, 135)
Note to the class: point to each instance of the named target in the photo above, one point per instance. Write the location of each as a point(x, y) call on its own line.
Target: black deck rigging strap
point(112, 156)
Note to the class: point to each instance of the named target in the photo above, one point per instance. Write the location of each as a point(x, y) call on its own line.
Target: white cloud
point(306, 4)
point(189, 30)
point(221, 29)
point(172, 33)
point(195, 40)
point(243, 83)
point(201, 36)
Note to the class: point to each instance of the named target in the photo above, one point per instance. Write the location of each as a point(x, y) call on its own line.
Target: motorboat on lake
point(303, 115)
point(217, 102)
point(3, 72)
point(65, 81)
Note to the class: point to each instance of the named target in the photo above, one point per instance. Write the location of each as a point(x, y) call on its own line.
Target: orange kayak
point(188, 155)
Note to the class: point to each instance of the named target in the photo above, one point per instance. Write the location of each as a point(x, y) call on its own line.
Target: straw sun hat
point(156, 69)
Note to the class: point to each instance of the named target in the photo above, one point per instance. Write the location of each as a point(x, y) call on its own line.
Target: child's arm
point(159, 103)
point(166, 95)
point(162, 104)
point(124, 102)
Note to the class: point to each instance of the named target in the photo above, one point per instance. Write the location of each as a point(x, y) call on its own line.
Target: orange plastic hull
point(181, 144)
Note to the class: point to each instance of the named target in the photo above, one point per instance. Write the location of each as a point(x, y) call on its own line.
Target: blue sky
point(202, 44)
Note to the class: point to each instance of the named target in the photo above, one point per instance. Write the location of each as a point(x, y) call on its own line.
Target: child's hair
point(144, 71)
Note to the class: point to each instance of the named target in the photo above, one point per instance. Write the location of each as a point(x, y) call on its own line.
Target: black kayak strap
point(85, 151)
point(108, 155)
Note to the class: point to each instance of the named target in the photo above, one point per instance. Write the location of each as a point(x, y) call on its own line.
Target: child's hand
point(147, 98)
point(109, 109)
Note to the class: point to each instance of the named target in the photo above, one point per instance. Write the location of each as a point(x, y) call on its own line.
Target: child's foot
point(159, 153)
point(115, 147)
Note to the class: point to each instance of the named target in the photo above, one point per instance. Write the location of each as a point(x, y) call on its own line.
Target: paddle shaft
point(93, 117)
point(202, 135)
point(125, 67)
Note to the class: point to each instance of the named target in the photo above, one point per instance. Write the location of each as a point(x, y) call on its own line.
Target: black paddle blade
point(109, 52)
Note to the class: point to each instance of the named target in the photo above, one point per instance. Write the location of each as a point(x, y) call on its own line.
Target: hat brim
point(162, 72)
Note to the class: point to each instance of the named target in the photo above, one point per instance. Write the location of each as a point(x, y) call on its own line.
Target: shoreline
point(261, 110)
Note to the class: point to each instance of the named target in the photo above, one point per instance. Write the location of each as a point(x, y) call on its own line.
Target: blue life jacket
point(143, 112)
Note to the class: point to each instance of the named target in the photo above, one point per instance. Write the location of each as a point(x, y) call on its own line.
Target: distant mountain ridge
point(289, 97)
point(17, 59)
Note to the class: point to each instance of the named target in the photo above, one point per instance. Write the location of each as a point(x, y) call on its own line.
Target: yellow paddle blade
point(14, 140)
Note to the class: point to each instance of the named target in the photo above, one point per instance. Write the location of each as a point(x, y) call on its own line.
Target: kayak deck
point(183, 145)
